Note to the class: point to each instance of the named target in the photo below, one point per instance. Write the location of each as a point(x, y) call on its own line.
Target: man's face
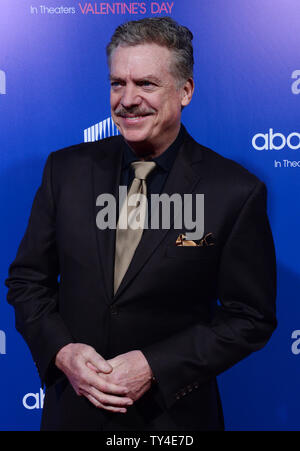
point(145, 99)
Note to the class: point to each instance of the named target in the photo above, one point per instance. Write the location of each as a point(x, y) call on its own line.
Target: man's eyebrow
point(149, 77)
point(113, 77)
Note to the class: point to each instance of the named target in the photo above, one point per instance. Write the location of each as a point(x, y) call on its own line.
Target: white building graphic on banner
point(2, 82)
point(2, 342)
point(101, 130)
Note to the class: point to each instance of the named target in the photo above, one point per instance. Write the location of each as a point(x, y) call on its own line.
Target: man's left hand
point(130, 370)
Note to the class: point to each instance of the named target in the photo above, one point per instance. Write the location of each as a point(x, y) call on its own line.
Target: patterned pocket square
point(207, 240)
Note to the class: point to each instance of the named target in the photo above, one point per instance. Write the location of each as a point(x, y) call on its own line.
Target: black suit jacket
point(61, 286)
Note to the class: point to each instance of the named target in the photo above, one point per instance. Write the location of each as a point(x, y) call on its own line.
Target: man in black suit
point(135, 331)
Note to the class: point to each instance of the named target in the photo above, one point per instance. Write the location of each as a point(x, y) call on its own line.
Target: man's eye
point(145, 83)
point(114, 84)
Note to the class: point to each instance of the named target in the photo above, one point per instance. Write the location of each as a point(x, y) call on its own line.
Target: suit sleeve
point(33, 284)
point(245, 318)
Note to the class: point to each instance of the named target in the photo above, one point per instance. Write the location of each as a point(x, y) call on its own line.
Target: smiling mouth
point(133, 119)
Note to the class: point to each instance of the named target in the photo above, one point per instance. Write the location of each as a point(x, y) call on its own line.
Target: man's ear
point(187, 92)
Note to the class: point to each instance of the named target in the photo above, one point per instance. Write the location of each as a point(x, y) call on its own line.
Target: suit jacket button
point(114, 310)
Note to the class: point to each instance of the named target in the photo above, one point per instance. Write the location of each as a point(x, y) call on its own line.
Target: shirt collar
point(165, 160)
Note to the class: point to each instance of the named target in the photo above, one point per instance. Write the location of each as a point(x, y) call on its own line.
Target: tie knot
point(142, 169)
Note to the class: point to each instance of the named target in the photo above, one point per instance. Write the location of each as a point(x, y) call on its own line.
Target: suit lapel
point(182, 179)
point(106, 170)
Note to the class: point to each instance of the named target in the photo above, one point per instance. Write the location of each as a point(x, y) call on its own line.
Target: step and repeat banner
point(54, 92)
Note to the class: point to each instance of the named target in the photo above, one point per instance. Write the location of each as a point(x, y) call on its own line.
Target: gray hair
point(163, 31)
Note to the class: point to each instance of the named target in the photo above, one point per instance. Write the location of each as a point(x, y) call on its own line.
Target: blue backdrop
point(54, 90)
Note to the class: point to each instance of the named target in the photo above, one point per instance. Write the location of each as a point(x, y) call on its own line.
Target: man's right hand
point(83, 367)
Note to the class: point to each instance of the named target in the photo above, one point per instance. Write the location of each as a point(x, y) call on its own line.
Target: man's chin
point(132, 136)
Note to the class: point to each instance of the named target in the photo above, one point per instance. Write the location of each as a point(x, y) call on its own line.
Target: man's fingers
point(103, 400)
point(109, 400)
point(107, 387)
point(95, 380)
point(102, 406)
point(99, 362)
point(92, 367)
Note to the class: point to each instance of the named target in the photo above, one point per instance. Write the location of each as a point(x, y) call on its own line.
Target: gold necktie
point(127, 235)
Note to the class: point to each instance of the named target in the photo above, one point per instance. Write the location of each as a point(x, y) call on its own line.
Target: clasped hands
point(108, 384)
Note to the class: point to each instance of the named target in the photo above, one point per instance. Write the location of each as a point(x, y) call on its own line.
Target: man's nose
point(130, 96)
